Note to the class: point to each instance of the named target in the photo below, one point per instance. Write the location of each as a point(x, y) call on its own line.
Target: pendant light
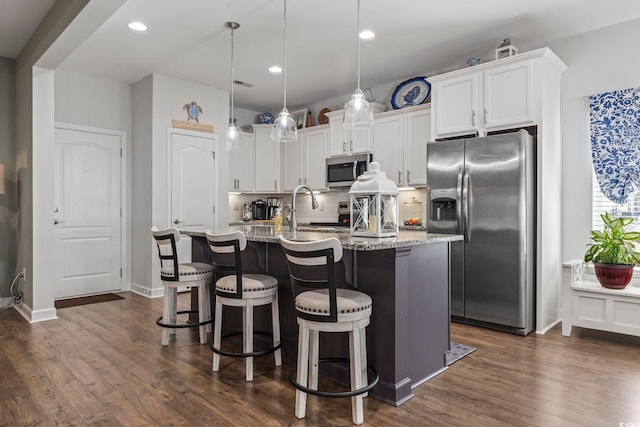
point(357, 112)
point(284, 128)
point(231, 136)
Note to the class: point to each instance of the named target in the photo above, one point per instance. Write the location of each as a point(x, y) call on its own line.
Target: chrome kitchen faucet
point(293, 224)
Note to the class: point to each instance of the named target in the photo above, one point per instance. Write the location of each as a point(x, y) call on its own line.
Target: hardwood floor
point(102, 364)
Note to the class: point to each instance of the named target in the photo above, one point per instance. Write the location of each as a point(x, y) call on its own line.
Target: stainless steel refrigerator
point(484, 189)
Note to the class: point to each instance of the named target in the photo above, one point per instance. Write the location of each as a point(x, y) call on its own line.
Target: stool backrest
point(226, 254)
point(312, 265)
point(166, 240)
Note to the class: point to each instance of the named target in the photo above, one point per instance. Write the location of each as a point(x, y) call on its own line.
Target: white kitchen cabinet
point(304, 159)
point(344, 142)
point(292, 164)
point(267, 160)
point(455, 105)
point(508, 96)
point(496, 95)
point(400, 144)
point(242, 164)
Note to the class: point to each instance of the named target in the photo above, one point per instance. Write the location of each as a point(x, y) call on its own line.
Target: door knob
point(177, 221)
point(56, 222)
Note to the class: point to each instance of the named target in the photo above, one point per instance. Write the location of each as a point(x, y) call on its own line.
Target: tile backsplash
point(328, 204)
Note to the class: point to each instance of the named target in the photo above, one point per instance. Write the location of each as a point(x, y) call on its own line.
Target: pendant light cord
point(231, 110)
point(284, 27)
point(358, 38)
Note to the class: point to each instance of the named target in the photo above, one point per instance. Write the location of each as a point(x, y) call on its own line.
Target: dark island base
point(409, 330)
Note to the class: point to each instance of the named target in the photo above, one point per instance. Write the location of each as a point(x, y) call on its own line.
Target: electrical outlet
point(321, 206)
point(23, 273)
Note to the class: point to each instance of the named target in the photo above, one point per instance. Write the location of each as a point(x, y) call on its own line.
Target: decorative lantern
point(506, 49)
point(374, 204)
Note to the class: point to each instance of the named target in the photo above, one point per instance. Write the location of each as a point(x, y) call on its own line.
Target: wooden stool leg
point(174, 308)
point(207, 289)
point(166, 315)
point(202, 312)
point(247, 339)
point(217, 333)
point(363, 353)
point(275, 320)
point(357, 408)
point(314, 344)
point(302, 370)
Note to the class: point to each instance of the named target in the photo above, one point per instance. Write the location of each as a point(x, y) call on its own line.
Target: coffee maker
point(259, 209)
point(273, 204)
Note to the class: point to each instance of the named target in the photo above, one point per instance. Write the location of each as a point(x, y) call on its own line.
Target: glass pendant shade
point(284, 128)
point(231, 138)
point(358, 113)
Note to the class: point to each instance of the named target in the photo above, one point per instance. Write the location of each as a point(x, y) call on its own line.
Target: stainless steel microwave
point(343, 171)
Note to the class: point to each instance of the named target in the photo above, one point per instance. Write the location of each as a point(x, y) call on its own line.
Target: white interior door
point(192, 181)
point(87, 213)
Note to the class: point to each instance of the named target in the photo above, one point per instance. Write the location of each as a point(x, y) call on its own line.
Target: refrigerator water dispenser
point(443, 205)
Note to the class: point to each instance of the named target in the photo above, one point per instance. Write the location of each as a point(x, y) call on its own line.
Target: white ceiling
point(187, 40)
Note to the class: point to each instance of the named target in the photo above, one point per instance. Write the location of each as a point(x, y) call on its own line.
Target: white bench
point(589, 305)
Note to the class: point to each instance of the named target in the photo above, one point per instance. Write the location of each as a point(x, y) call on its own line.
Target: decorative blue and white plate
point(266, 119)
point(411, 92)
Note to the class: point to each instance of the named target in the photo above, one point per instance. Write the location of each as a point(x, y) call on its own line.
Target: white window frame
point(601, 204)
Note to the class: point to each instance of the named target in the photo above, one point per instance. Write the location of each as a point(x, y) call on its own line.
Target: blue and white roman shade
point(615, 142)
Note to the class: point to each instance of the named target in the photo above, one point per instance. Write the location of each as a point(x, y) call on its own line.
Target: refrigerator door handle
point(465, 202)
point(459, 199)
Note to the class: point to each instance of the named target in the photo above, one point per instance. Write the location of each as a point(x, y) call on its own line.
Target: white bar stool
point(327, 308)
point(175, 275)
point(233, 288)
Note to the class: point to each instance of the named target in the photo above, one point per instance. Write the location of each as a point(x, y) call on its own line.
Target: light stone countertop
point(405, 238)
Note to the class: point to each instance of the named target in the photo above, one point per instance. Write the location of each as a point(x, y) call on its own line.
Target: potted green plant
point(613, 252)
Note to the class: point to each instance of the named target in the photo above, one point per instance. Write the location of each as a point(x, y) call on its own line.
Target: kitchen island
point(407, 278)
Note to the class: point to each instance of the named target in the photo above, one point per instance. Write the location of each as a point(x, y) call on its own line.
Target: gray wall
point(141, 184)
point(7, 156)
point(59, 17)
point(598, 61)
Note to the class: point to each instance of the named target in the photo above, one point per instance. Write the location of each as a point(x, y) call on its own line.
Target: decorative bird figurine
point(193, 111)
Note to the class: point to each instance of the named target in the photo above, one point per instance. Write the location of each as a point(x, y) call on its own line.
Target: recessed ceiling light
point(137, 26)
point(274, 69)
point(367, 35)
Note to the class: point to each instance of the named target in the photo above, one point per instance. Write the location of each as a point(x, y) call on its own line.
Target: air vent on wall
point(241, 83)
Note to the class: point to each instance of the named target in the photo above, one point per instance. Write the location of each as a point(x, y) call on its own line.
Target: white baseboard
point(146, 291)
point(34, 316)
point(548, 328)
point(5, 301)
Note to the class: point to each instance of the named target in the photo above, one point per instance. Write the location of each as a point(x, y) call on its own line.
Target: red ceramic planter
point(613, 276)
